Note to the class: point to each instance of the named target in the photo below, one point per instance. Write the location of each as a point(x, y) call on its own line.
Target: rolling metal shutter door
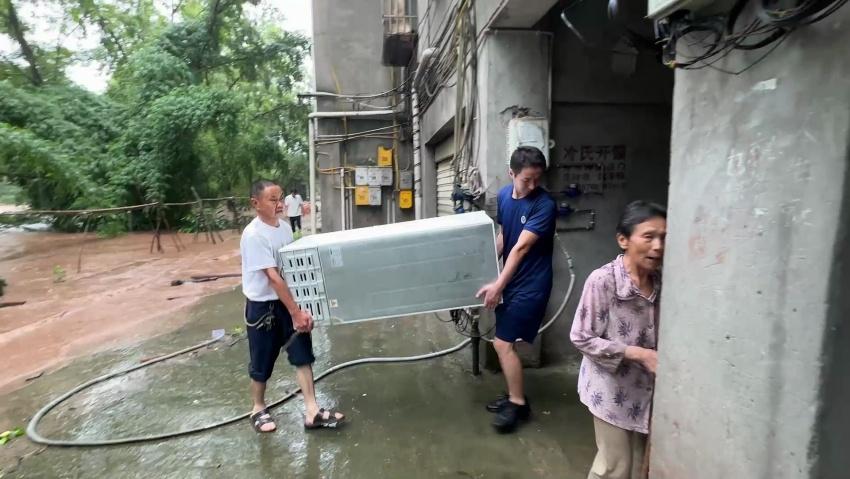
point(444, 154)
point(445, 180)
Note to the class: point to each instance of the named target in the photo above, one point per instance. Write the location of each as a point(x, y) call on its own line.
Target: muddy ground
point(120, 296)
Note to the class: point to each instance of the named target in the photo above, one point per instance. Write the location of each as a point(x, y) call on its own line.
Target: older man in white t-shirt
point(273, 319)
point(293, 204)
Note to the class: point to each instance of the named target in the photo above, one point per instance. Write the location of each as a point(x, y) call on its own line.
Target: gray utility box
point(414, 267)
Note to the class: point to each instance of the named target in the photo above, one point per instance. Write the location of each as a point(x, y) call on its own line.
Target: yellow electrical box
point(385, 156)
point(361, 196)
point(405, 199)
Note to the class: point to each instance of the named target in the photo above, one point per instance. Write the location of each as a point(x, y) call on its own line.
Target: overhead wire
point(771, 27)
point(359, 96)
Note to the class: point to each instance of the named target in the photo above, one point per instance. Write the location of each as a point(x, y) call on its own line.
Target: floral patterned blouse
point(611, 315)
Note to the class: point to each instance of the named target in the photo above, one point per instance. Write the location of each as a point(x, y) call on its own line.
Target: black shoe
point(497, 404)
point(510, 415)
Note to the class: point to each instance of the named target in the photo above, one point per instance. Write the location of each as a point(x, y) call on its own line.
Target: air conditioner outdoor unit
point(400, 269)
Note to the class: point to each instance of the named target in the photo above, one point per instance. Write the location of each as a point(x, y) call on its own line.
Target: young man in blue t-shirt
point(526, 213)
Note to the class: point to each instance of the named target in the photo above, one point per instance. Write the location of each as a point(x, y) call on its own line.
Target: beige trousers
point(620, 454)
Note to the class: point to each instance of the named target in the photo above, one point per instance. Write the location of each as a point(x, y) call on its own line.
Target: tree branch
point(104, 27)
point(17, 32)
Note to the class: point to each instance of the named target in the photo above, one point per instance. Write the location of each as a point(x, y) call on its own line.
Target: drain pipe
point(342, 205)
point(417, 157)
point(427, 55)
point(311, 138)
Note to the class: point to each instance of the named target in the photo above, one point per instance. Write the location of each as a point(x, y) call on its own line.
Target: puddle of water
point(423, 419)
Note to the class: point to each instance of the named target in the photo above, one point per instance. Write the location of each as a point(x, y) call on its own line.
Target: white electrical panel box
point(373, 176)
point(361, 176)
point(528, 131)
point(400, 269)
point(374, 196)
point(386, 176)
point(405, 180)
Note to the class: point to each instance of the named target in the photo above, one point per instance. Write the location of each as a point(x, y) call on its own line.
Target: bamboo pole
point(83, 244)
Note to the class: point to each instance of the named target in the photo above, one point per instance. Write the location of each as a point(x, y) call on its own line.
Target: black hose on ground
point(34, 436)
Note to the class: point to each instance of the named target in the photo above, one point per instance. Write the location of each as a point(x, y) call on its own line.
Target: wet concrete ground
point(411, 420)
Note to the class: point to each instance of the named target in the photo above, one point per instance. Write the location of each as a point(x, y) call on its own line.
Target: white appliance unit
point(528, 131)
point(399, 269)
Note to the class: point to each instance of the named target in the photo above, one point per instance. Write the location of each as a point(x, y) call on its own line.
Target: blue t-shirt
point(537, 214)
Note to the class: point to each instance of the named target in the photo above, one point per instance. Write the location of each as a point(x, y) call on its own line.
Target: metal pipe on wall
point(417, 157)
point(350, 208)
point(311, 130)
point(342, 204)
point(394, 188)
point(346, 208)
point(427, 55)
point(348, 114)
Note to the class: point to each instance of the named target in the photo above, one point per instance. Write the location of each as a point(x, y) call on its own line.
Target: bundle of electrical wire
point(717, 36)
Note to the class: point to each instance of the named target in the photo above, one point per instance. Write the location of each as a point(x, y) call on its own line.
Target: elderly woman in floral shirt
point(615, 328)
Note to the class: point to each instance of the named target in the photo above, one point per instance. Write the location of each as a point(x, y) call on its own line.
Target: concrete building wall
point(601, 101)
point(347, 43)
point(754, 343)
point(598, 99)
point(513, 70)
point(435, 123)
point(514, 74)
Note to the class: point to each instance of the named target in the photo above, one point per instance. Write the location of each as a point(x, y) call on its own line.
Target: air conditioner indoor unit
point(528, 131)
point(400, 269)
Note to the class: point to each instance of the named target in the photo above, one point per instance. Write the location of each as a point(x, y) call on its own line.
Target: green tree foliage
point(201, 96)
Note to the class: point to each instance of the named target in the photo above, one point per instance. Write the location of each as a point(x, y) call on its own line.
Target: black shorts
point(264, 344)
point(520, 315)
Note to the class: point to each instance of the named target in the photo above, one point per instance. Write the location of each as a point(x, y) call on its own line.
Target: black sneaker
point(497, 404)
point(510, 415)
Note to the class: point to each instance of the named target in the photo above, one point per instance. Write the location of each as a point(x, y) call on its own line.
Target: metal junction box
point(400, 269)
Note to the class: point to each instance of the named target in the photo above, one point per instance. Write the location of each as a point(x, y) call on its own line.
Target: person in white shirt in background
point(293, 204)
point(272, 316)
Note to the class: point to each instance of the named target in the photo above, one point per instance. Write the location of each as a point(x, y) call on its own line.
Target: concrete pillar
point(754, 340)
point(513, 73)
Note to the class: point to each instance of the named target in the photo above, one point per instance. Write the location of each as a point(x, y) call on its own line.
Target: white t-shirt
point(293, 205)
point(259, 248)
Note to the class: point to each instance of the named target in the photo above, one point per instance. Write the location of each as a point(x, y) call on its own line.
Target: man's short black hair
point(527, 157)
point(259, 186)
point(636, 213)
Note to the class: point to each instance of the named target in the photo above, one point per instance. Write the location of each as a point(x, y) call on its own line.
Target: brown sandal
point(320, 421)
point(260, 419)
